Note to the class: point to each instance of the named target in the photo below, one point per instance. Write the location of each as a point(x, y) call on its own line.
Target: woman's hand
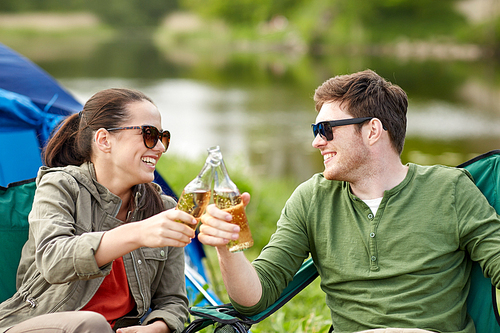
point(157, 231)
point(164, 229)
point(216, 229)
point(158, 326)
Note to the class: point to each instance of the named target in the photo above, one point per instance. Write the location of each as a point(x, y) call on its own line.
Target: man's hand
point(216, 229)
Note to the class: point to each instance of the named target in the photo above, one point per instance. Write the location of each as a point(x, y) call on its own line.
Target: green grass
point(306, 312)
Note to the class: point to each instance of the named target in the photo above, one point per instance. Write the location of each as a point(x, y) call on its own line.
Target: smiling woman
point(95, 201)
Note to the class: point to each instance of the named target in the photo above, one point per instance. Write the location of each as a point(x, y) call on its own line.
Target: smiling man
point(392, 243)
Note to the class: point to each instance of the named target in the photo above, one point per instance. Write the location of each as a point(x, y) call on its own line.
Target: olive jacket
point(58, 272)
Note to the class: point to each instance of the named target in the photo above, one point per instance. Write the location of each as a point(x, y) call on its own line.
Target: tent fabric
point(19, 112)
point(22, 76)
point(32, 104)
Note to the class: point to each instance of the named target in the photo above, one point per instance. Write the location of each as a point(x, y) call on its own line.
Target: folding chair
point(228, 317)
point(15, 205)
point(482, 301)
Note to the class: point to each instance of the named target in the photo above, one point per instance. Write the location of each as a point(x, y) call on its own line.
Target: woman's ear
point(102, 140)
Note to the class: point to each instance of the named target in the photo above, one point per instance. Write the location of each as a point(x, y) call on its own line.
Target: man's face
point(345, 155)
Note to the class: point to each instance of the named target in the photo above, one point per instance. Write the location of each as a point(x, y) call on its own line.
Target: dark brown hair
point(71, 144)
point(366, 94)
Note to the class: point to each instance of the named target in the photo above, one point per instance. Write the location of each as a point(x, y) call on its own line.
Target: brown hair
point(366, 94)
point(71, 144)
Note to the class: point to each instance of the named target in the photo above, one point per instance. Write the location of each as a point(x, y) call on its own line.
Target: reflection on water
point(261, 116)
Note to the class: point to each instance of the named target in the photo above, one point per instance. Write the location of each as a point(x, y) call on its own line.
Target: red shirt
point(113, 299)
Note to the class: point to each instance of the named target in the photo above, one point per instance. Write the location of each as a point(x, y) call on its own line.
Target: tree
point(132, 13)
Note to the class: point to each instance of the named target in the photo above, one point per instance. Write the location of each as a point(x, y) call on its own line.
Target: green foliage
point(117, 13)
point(16, 6)
point(240, 11)
point(486, 34)
point(306, 312)
point(348, 22)
point(413, 19)
point(200, 297)
point(324, 26)
point(177, 171)
point(132, 13)
point(339, 23)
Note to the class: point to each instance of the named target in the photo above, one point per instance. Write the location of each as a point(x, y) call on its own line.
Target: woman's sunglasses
point(324, 128)
point(150, 135)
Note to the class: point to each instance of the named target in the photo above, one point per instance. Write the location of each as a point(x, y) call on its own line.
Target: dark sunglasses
point(324, 128)
point(150, 135)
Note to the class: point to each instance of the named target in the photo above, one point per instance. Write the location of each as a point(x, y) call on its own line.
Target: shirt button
point(139, 261)
point(162, 253)
point(370, 216)
point(374, 258)
point(372, 235)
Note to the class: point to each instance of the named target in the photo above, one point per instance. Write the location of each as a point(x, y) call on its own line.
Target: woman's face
point(132, 161)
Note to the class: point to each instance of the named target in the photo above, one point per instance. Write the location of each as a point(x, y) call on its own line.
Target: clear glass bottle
point(227, 197)
point(196, 195)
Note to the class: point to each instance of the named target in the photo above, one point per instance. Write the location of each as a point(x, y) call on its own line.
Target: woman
point(103, 243)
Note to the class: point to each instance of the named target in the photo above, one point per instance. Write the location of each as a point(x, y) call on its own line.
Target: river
point(258, 109)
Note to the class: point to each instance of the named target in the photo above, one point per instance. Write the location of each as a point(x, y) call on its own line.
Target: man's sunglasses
point(150, 135)
point(324, 128)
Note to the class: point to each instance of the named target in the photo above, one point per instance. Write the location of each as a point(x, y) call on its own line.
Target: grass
point(306, 312)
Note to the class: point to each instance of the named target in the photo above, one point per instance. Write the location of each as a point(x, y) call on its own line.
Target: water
point(258, 109)
point(199, 116)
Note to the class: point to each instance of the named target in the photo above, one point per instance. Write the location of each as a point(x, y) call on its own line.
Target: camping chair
point(482, 302)
point(15, 205)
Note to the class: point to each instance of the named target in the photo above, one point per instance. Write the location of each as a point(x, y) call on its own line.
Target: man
point(391, 242)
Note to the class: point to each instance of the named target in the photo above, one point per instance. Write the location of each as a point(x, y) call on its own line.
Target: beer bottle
point(196, 195)
point(227, 197)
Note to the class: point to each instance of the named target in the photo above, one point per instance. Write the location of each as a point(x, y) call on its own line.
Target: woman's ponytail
point(62, 150)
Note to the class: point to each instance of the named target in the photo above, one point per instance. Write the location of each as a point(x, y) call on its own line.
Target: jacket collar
point(86, 177)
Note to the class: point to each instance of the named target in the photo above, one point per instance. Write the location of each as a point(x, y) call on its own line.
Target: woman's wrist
point(160, 326)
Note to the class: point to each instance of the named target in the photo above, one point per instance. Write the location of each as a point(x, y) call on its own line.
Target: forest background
point(313, 26)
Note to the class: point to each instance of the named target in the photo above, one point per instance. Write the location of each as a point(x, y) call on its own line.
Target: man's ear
point(102, 140)
point(375, 130)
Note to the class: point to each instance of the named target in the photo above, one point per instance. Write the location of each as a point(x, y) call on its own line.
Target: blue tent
point(32, 104)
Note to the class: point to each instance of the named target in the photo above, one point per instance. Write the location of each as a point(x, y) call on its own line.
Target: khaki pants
point(65, 322)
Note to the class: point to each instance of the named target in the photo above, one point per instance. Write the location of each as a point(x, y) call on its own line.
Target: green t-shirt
point(407, 267)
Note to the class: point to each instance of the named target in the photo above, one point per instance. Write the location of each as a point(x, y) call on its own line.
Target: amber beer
point(245, 239)
point(194, 203)
point(227, 197)
point(196, 195)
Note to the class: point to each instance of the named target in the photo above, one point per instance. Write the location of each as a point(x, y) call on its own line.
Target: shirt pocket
point(155, 259)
